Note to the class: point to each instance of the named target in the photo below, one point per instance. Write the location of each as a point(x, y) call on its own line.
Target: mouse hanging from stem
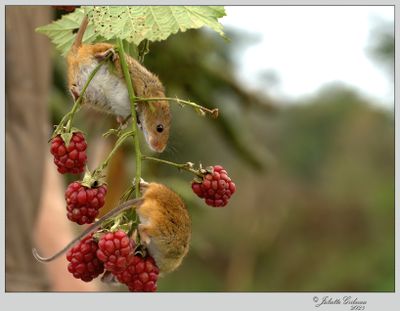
point(164, 228)
point(108, 92)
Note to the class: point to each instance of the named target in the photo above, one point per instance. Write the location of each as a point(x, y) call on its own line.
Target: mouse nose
point(156, 145)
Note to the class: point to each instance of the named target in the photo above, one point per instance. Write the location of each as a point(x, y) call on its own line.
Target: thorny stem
point(184, 166)
point(213, 112)
point(58, 127)
point(132, 98)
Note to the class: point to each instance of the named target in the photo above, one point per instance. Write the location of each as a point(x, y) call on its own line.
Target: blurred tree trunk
point(28, 72)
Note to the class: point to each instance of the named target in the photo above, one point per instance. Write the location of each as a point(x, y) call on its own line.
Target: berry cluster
point(71, 159)
point(141, 275)
point(216, 187)
point(115, 252)
point(84, 263)
point(83, 203)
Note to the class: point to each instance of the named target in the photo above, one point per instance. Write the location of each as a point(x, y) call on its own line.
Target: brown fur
point(166, 226)
point(145, 84)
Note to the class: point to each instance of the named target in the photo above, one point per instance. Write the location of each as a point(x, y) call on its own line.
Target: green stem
point(213, 112)
point(80, 98)
point(70, 114)
point(58, 127)
point(112, 152)
point(138, 154)
point(184, 166)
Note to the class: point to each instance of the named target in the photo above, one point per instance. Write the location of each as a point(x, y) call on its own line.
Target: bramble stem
point(80, 98)
point(138, 154)
point(212, 112)
point(184, 166)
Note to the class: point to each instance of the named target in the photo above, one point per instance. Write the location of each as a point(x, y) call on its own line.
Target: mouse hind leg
point(144, 234)
point(103, 50)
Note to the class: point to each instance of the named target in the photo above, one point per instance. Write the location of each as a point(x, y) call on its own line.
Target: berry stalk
point(118, 143)
point(185, 166)
point(70, 114)
point(197, 107)
point(79, 100)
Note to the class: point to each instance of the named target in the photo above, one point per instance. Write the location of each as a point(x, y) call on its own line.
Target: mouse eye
point(160, 128)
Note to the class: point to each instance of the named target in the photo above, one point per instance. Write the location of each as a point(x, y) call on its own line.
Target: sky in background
point(305, 47)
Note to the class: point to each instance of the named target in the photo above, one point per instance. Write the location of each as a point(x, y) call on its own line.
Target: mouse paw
point(74, 92)
point(143, 184)
point(123, 122)
point(102, 55)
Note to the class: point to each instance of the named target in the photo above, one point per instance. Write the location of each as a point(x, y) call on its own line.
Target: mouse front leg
point(74, 92)
point(143, 185)
point(123, 122)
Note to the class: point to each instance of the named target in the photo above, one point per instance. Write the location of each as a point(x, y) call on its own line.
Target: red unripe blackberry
point(116, 250)
point(84, 263)
point(83, 203)
point(216, 187)
point(71, 159)
point(141, 275)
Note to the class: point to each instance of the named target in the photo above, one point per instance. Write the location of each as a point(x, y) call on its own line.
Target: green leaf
point(62, 32)
point(132, 23)
point(155, 23)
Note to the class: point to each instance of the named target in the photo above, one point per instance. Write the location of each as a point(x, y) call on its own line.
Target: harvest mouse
point(165, 226)
point(108, 92)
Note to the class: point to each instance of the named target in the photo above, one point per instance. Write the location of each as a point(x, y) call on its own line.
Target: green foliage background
point(314, 210)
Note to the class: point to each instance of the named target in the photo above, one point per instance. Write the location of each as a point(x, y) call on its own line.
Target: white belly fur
point(106, 91)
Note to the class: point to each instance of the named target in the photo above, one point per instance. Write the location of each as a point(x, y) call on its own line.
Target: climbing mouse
point(165, 226)
point(108, 92)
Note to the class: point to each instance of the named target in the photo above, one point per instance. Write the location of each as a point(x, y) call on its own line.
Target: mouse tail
point(79, 36)
point(119, 209)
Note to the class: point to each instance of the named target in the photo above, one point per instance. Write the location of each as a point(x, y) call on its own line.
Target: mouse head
point(156, 122)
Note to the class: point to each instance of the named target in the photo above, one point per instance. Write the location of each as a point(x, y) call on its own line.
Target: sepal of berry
point(116, 251)
point(66, 137)
point(209, 169)
point(83, 262)
point(215, 187)
point(84, 203)
point(90, 180)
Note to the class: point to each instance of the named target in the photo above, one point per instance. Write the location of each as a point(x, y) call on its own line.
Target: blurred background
point(306, 131)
